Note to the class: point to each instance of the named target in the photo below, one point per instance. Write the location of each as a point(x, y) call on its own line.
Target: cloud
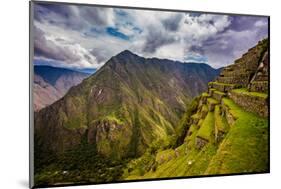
point(172, 23)
point(155, 39)
point(61, 50)
point(46, 48)
point(87, 36)
point(73, 17)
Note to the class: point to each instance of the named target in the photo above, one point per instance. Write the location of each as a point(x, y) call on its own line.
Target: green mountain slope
point(127, 106)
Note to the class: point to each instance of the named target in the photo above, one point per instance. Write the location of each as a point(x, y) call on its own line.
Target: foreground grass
point(243, 150)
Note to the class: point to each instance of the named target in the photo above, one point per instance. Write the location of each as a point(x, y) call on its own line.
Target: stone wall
point(251, 103)
point(260, 86)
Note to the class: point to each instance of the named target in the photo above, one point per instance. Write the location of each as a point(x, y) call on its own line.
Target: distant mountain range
point(51, 83)
point(123, 108)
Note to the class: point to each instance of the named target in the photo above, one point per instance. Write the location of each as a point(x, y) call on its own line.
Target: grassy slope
point(245, 146)
point(244, 149)
point(206, 131)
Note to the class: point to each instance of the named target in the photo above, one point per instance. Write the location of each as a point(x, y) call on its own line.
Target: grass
point(220, 121)
point(246, 92)
point(245, 148)
point(196, 116)
point(76, 122)
point(212, 101)
point(205, 94)
point(190, 140)
point(200, 122)
point(219, 92)
point(206, 130)
point(204, 108)
point(224, 84)
point(165, 155)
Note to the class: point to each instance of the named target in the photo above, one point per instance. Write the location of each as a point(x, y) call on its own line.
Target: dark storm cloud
point(70, 16)
point(172, 23)
point(49, 50)
point(240, 23)
point(155, 39)
point(196, 49)
point(101, 55)
point(224, 47)
point(95, 16)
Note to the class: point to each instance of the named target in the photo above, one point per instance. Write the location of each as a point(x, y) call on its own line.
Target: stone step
point(203, 111)
point(259, 86)
point(227, 112)
point(263, 77)
point(230, 68)
point(241, 80)
point(206, 132)
point(238, 72)
point(211, 103)
point(195, 118)
point(210, 92)
point(223, 87)
point(251, 101)
point(221, 125)
point(204, 97)
point(218, 95)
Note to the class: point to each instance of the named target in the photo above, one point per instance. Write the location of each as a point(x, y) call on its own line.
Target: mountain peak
point(126, 53)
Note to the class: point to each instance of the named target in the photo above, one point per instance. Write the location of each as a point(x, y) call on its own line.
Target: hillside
point(225, 130)
point(51, 83)
point(127, 106)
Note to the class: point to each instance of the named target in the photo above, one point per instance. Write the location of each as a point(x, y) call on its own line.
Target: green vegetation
point(195, 116)
point(245, 148)
point(219, 92)
point(206, 130)
point(80, 165)
point(246, 92)
point(204, 108)
point(75, 122)
point(205, 94)
point(212, 101)
point(224, 84)
point(220, 121)
point(135, 136)
point(182, 127)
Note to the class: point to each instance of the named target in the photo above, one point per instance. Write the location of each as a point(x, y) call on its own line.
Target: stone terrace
point(243, 83)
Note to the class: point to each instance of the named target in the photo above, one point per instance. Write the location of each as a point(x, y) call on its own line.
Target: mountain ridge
point(156, 87)
point(51, 83)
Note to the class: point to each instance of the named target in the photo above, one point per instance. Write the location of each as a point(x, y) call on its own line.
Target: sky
point(85, 37)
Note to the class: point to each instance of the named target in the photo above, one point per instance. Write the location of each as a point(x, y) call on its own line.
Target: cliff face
point(227, 131)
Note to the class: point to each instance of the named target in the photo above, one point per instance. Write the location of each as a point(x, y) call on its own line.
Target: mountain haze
point(51, 83)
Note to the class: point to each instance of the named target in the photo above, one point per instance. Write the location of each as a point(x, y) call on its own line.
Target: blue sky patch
point(115, 33)
point(196, 58)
